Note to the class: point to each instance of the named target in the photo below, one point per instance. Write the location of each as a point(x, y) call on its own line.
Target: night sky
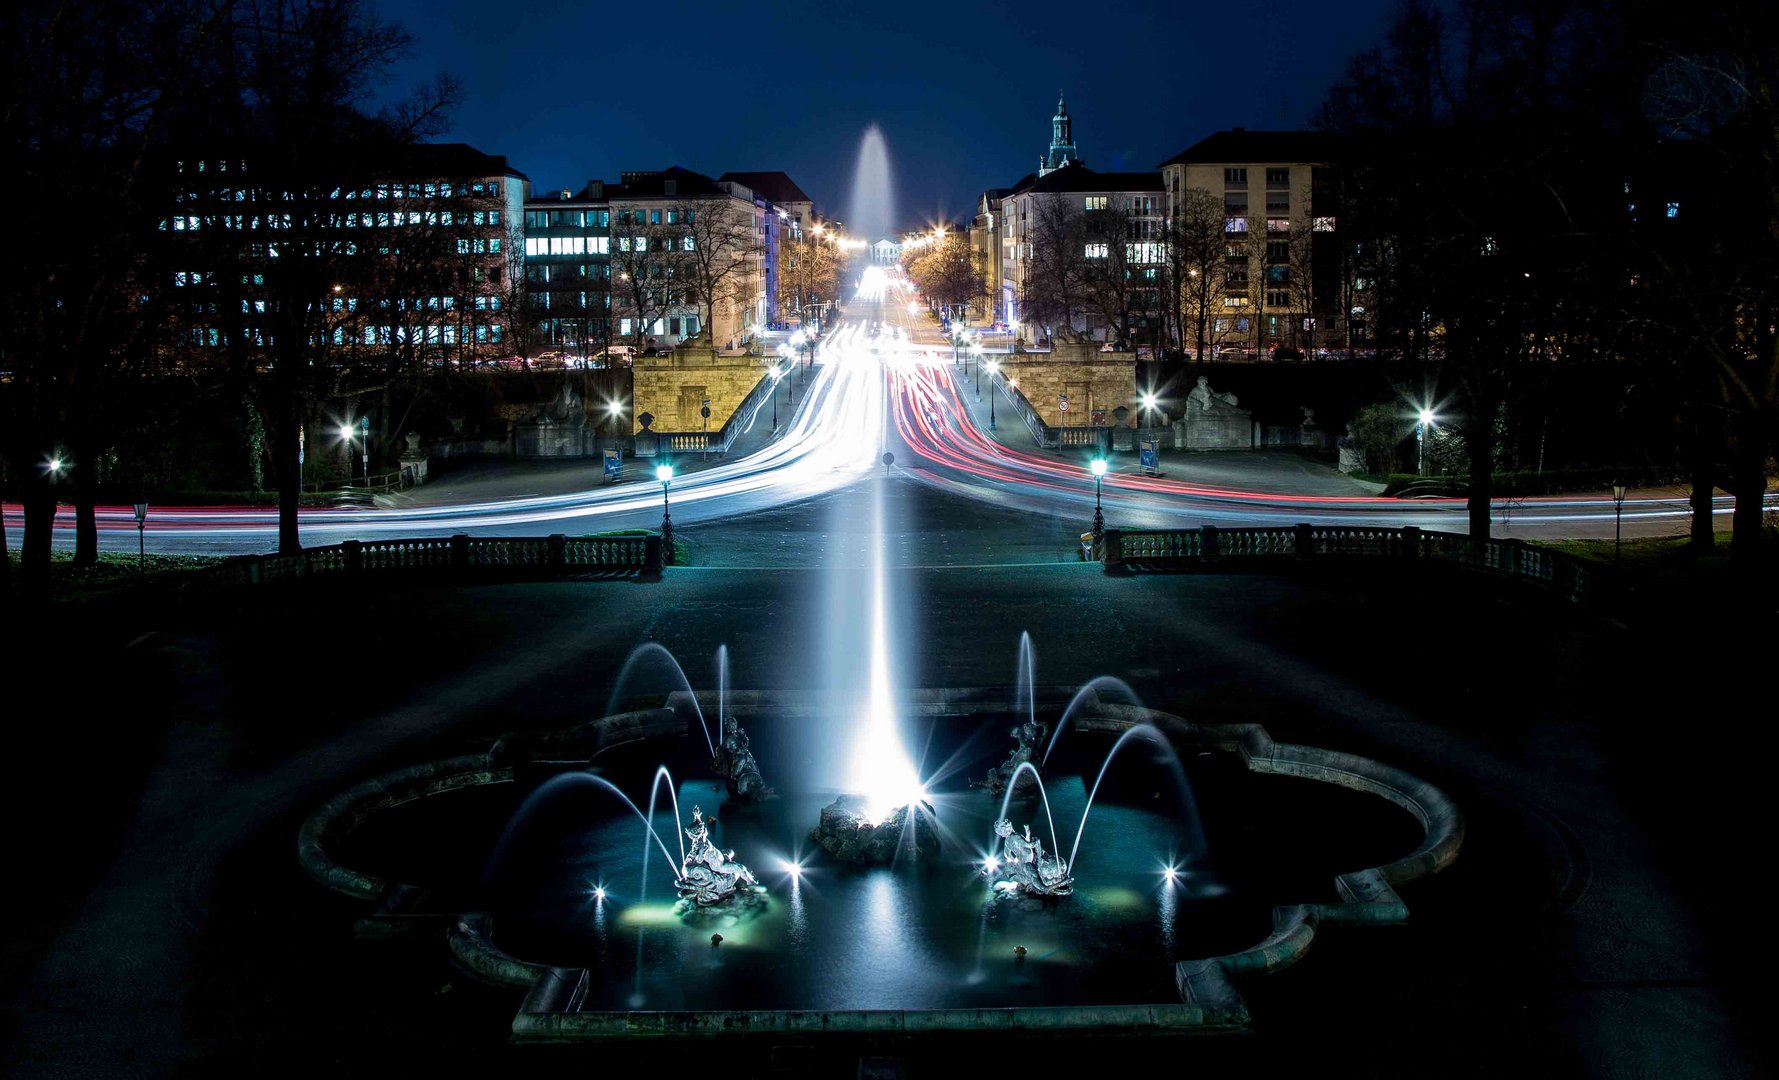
point(963, 92)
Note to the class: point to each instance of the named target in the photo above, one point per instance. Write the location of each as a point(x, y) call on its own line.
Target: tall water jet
point(872, 213)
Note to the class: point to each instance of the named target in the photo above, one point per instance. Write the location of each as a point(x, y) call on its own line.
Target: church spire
point(1062, 139)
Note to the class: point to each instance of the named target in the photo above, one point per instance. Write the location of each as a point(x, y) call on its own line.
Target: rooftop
point(1242, 145)
point(776, 187)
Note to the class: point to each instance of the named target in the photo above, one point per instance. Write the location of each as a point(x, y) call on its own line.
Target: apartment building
point(1282, 283)
point(408, 257)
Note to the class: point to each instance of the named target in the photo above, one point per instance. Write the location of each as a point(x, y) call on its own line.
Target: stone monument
point(557, 428)
point(1212, 421)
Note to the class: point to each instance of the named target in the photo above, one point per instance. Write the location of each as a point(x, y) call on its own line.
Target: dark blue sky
point(963, 91)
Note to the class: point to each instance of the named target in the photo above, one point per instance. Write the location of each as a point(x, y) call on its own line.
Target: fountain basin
point(916, 948)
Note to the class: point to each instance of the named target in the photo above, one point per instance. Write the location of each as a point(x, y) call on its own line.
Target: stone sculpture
point(1026, 737)
point(1023, 866)
point(1209, 400)
point(709, 875)
point(734, 761)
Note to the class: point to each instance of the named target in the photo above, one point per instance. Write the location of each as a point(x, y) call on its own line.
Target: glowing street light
point(1424, 422)
point(664, 473)
point(1098, 467)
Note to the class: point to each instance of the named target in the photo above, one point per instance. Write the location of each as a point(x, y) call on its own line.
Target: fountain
point(873, 208)
point(1022, 866)
point(887, 916)
point(708, 875)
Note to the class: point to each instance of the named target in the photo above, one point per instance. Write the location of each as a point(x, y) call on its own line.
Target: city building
point(567, 271)
point(1282, 282)
point(788, 215)
point(1072, 253)
point(407, 257)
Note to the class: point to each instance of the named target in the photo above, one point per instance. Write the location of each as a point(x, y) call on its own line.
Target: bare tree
point(649, 273)
point(1200, 245)
point(1050, 292)
point(721, 244)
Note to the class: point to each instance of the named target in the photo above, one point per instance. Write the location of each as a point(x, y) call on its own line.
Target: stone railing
point(496, 556)
point(1137, 549)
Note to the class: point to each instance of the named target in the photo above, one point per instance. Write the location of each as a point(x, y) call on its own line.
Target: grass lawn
point(117, 572)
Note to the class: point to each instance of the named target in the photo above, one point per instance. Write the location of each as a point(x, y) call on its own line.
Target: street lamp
point(1425, 421)
point(976, 356)
point(777, 374)
point(664, 473)
point(141, 556)
point(1098, 467)
point(346, 433)
point(1618, 513)
point(994, 368)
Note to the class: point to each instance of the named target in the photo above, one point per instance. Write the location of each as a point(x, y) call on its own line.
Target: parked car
point(1286, 352)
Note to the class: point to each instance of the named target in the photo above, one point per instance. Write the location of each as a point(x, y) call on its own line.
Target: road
point(835, 438)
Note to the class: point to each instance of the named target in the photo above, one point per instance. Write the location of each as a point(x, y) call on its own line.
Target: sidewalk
point(1272, 472)
point(495, 479)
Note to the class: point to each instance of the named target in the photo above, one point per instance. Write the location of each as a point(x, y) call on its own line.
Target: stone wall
point(671, 387)
point(1092, 379)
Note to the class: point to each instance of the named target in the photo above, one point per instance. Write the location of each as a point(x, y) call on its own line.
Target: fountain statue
point(1026, 737)
point(709, 875)
point(1022, 866)
point(734, 761)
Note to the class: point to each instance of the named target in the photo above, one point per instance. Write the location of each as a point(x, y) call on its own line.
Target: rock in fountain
point(848, 832)
point(1026, 738)
point(1022, 866)
point(734, 761)
point(710, 875)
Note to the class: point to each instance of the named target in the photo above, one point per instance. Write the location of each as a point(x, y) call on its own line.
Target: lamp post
point(777, 374)
point(1618, 513)
point(141, 555)
point(1421, 425)
point(1098, 467)
point(664, 473)
point(364, 447)
point(994, 368)
point(976, 359)
point(346, 433)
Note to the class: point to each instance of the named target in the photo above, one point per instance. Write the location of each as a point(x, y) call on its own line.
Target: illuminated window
point(1322, 224)
point(1673, 209)
point(1095, 202)
point(1278, 224)
point(1096, 251)
point(1235, 225)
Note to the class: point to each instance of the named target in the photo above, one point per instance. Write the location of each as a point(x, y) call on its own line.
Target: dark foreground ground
point(1607, 916)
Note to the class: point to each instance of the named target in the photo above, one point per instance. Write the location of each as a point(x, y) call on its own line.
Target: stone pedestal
point(1212, 421)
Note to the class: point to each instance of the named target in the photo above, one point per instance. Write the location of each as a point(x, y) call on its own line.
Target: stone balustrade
point(496, 556)
point(1124, 550)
